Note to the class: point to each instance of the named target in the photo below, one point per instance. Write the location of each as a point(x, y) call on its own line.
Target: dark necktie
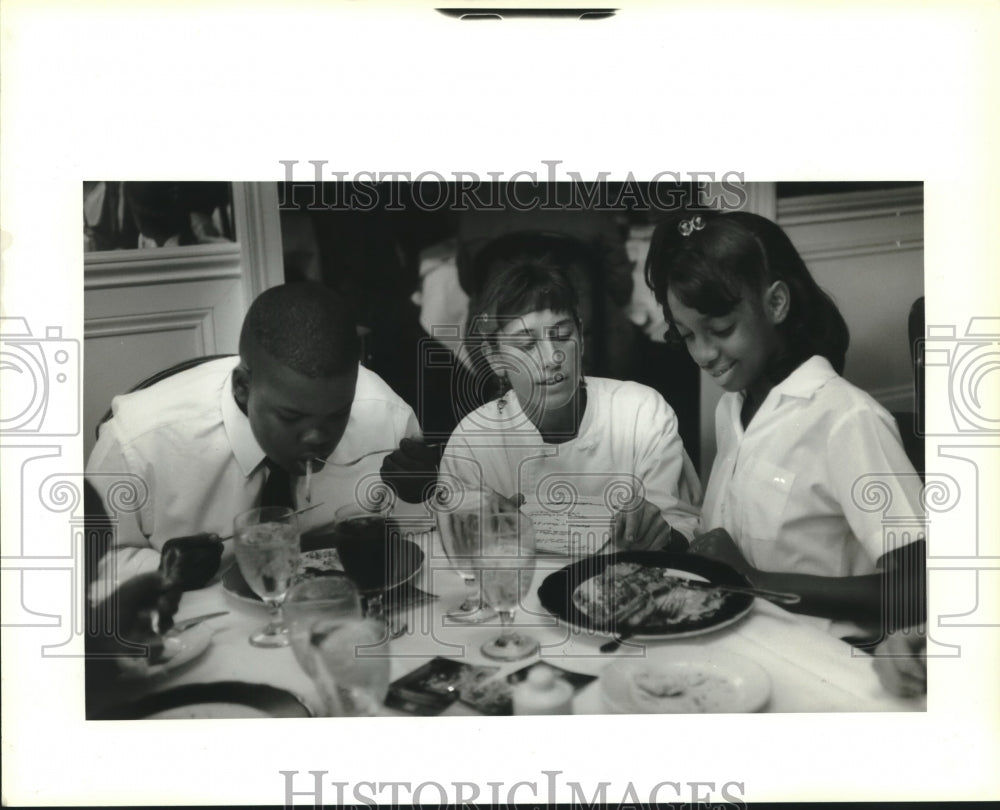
point(278, 489)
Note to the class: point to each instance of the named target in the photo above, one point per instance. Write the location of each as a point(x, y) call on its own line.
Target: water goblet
point(334, 645)
point(361, 538)
point(507, 566)
point(266, 542)
point(460, 537)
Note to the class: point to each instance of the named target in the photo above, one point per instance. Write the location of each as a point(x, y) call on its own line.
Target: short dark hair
point(305, 326)
point(525, 272)
point(712, 268)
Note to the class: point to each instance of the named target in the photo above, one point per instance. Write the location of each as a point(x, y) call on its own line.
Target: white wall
point(867, 250)
point(145, 310)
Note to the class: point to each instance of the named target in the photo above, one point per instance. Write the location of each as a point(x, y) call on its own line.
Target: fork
point(371, 453)
point(360, 458)
point(626, 617)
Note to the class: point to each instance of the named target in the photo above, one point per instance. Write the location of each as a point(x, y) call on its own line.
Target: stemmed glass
point(361, 540)
point(329, 638)
point(266, 541)
point(507, 566)
point(460, 536)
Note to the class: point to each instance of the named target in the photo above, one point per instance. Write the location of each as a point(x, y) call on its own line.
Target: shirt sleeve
point(130, 552)
point(874, 482)
point(663, 466)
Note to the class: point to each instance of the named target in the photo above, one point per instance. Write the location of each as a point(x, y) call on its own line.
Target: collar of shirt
point(518, 421)
point(802, 383)
point(248, 453)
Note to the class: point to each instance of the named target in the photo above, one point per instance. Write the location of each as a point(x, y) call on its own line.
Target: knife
point(780, 597)
point(181, 626)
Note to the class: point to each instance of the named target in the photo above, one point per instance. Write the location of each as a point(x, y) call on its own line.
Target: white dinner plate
point(684, 679)
point(178, 649)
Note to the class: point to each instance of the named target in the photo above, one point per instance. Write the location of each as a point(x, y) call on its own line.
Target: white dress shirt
point(628, 433)
point(795, 489)
point(191, 446)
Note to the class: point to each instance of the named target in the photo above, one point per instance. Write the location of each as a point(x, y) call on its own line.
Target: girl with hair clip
point(796, 441)
point(553, 434)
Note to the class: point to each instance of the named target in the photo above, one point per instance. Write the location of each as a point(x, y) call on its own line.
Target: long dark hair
point(712, 268)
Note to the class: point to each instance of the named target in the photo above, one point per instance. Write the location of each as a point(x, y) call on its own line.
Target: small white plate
point(178, 649)
point(684, 679)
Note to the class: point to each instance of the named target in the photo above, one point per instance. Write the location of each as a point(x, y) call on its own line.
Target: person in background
point(231, 434)
point(794, 438)
point(550, 423)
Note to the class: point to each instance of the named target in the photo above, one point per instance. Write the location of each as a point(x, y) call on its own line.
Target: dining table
point(809, 669)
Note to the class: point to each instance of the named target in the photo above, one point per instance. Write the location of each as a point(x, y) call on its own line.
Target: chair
point(911, 423)
point(184, 365)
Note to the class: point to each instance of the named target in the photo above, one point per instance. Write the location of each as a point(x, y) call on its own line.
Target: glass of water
point(506, 569)
point(266, 541)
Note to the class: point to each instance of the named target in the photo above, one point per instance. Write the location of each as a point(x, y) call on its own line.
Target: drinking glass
point(460, 536)
point(336, 647)
point(506, 567)
point(362, 541)
point(266, 541)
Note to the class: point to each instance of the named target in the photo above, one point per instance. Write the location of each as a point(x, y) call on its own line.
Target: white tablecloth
point(810, 670)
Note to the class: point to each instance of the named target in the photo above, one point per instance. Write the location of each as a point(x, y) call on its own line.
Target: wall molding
point(200, 321)
point(258, 230)
point(141, 268)
point(819, 208)
point(871, 249)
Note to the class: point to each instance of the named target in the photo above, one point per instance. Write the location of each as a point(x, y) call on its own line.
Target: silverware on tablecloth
point(186, 624)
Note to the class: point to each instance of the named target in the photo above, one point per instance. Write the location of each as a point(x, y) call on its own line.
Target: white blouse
point(818, 483)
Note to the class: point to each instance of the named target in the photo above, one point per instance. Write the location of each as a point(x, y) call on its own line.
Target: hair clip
point(689, 226)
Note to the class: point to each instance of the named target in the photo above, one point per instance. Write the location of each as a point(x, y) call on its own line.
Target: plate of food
point(215, 700)
point(647, 594)
point(684, 679)
point(312, 564)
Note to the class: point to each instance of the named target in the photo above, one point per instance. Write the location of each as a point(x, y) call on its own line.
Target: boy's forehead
point(285, 386)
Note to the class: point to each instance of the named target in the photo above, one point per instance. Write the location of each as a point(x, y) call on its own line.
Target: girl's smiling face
point(735, 349)
point(540, 355)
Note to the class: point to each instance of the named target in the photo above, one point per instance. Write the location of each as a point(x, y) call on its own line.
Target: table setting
point(374, 615)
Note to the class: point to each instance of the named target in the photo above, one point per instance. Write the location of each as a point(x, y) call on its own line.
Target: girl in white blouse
point(801, 451)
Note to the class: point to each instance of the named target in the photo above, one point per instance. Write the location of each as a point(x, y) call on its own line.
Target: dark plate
point(378, 565)
point(556, 592)
point(268, 699)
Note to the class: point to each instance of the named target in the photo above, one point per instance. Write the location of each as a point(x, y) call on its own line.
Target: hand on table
point(719, 545)
point(190, 562)
point(640, 527)
point(140, 611)
point(901, 662)
point(412, 469)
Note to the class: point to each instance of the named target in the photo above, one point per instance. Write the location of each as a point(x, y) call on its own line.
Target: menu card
point(577, 529)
